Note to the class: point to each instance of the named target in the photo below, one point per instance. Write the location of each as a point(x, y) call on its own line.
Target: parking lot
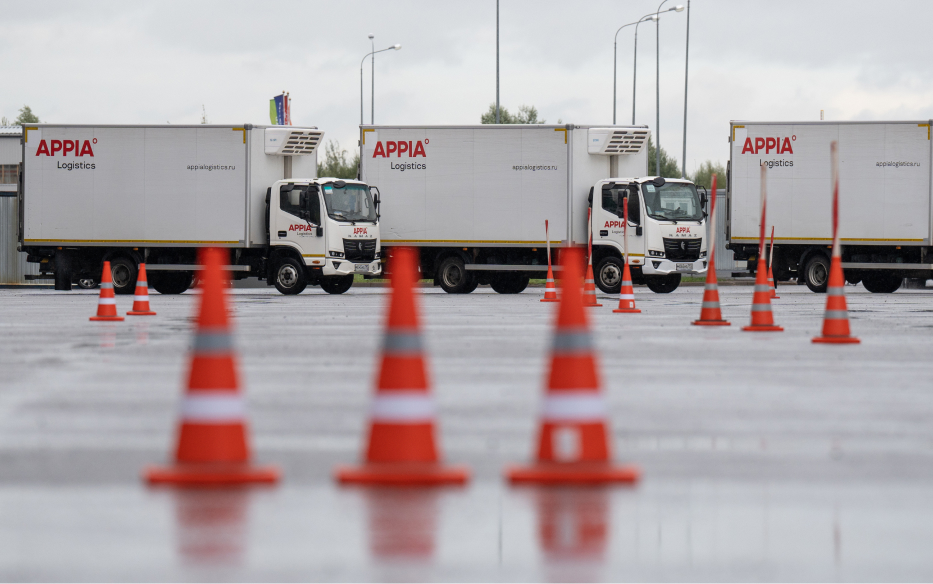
point(764, 456)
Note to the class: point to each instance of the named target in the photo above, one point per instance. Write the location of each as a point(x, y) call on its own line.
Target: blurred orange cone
point(402, 446)
point(106, 302)
point(213, 447)
point(550, 292)
point(141, 298)
point(626, 291)
point(573, 444)
point(762, 319)
point(836, 317)
point(710, 313)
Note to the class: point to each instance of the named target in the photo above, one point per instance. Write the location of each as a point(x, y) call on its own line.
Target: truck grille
point(360, 250)
point(682, 249)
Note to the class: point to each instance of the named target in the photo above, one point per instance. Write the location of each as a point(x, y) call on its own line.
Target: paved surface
point(765, 457)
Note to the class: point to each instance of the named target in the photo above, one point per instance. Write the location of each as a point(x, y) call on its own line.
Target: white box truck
point(884, 199)
point(473, 200)
point(154, 194)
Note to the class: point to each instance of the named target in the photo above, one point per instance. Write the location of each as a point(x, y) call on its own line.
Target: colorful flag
point(272, 116)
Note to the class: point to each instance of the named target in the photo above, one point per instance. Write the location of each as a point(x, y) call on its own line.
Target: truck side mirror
point(319, 232)
point(374, 191)
point(634, 211)
point(704, 200)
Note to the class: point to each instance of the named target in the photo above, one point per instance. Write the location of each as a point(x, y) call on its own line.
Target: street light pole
point(683, 166)
point(615, 53)
point(657, 89)
point(653, 17)
point(497, 61)
point(372, 82)
point(362, 62)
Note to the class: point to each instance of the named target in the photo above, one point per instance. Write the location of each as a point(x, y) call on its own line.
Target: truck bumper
point(346, 268)
point(662, 267)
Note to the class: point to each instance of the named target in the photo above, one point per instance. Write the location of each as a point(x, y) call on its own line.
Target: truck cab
point(322, 231)
point(666, 228)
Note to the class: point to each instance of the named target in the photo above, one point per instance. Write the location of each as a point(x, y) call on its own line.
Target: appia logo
point(51, 147)
point(769, 144)
point(412, 148)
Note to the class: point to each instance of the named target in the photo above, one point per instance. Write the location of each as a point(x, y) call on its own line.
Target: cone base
point(775, 298)
point(712, 323)
point(763, 328)
point(106, 318)
point(837, 340)
point(627, 310)
point(210, 475)
point(574, 473)
point(140, 313)
point(402, 474)
point(550, 300)
point(592, 305)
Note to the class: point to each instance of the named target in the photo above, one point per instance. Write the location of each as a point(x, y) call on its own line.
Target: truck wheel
point(471, 287)
point(881, 283)
point(609, 275)
point(123, 270)
point(169, 282)
point(454, 278)
point(290, 277)
point(337, 284)
point(509, 283)
point(816, 274)
point(663, 284)
point(86, 283)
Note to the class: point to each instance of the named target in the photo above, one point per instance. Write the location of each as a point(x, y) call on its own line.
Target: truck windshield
point(350, 203)
point(672, 202)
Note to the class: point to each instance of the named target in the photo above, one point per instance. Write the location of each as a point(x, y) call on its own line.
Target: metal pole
point(372, 85)
point(657, 93)
point(497, 61)
point(683, 166)
point(361, 91)
point(615, 53)
point(634, 73)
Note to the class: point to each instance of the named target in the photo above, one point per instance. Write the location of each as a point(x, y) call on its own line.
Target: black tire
point(169, 282)
point(86, 283)
point(337, 284)
point(289, 277)
point(816, 273)
point(663, 284)
point(123, 270)
point(454, 278)
point(609, 274)
point(471, 287)
point(881, 283)
point(509, 283)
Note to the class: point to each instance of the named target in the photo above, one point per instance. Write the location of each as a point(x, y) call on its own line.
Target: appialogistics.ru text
point(211, 167)
point(535, 167)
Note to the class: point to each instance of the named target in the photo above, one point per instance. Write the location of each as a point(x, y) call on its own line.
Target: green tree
point(527, 114)
point(26, 116)
point(669, 166)
point(704, 175)
point(4, 121)
point(335, 162)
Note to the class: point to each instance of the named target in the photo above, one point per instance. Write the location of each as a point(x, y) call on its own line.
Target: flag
point(280, 109)
point(272, 116)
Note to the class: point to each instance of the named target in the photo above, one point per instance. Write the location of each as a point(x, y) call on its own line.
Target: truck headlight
point(702, 254)
point(336, 254)
point(655, 254)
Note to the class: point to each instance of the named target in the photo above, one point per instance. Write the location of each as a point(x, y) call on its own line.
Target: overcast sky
point(156, 62)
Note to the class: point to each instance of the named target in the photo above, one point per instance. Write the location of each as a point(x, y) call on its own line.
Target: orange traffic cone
point(710, 313)
point(589, 288)
point(106, 302)
point(402, 446)
point(550, 291)
point(573, 444)
point(141, 298)
point(212, 447)
point(626, 293)
point(762, 319)
point(836, 317)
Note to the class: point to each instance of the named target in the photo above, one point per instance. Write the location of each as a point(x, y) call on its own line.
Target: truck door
point(298, 222)
point(608, 220)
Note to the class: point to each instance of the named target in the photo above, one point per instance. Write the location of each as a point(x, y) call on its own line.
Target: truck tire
point(337, 284)
point(881, 283)
point(454, 278)
point(663, 284)
point(471, 287)
point(169, 282)
point(123, 270)
point(290, 277)
point(86, 283)
point(609, 275)
point(816, 274)
point(509, 283)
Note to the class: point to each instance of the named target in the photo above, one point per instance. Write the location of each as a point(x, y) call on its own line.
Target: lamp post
point(657, 91)
point(615, 53)
point(373, 89)
point(683, 166)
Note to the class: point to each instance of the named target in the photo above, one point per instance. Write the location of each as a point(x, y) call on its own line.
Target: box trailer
point(884, 199)
point(154, 194)
point(474, 200)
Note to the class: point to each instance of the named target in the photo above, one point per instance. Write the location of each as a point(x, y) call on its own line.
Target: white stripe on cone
point(402, 406)
point(140, 298)
point(107, 301)
point(212, 406)
point(573, 406)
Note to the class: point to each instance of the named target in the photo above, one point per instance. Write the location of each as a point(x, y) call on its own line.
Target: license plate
point(360, 267)
point(684, 267)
